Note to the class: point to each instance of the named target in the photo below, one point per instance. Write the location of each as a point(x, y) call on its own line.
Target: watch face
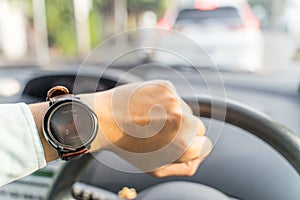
point(72, 124)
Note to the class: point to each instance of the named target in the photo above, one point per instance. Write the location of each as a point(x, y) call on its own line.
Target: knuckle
point(190, 153)
point(165, 86)
point(173, 104)
point(191, 172)
point(166, 83)
point(192, 168)
point(174, 118)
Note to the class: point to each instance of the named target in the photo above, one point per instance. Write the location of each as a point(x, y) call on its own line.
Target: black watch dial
point(72, 124)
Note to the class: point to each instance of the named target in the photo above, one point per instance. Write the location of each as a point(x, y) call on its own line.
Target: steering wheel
point(278, 136)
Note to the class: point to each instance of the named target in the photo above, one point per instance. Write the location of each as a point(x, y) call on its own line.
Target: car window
point(222, 15)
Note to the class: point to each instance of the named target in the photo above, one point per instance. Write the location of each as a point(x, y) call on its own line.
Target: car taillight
point(205, 5)
point(164, 24)
point(251, 24)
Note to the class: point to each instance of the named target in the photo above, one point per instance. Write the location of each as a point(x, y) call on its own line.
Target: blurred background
point(42, 32)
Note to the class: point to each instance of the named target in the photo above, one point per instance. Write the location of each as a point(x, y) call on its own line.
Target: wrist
point(38, 111)
point(100, 102)
point(97, 101)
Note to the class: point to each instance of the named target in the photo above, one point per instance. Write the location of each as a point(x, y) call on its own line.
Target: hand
point(150, 126)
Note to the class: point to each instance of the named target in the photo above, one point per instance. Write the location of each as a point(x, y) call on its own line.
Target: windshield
point(237, 35)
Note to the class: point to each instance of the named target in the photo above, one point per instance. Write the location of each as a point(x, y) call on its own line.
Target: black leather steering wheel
point(278, 136)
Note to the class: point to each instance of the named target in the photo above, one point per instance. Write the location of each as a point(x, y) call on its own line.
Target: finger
point(178, 169)
point(201, 130)
point(187, 110)
point(194, 124)
point(200, 148)
point(185, 107)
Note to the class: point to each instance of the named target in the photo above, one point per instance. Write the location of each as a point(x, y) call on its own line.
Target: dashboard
point(241, 166)
point(31, 85)
point(37, 88)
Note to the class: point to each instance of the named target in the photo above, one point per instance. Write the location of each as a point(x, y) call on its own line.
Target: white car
point(227, 30)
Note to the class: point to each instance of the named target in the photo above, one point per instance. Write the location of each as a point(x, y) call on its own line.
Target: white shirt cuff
point(21, 151)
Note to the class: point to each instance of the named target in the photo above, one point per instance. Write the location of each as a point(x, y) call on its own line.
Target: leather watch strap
point(57, 91)
point(72, 155)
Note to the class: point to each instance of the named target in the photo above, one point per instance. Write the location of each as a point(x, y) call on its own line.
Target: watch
point(69, 125)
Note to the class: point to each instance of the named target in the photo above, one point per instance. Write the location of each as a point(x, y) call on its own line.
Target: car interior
point(252, 118)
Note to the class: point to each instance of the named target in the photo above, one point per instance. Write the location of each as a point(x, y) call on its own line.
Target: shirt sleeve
point(21, 151)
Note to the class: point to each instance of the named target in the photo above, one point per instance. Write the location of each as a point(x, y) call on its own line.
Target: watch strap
point(70, 155)
point(57, 91)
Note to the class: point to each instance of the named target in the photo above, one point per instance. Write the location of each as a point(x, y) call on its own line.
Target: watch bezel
point(50, 136)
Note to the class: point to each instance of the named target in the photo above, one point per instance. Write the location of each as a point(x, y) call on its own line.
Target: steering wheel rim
point(257, 123)
point(282, 139)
